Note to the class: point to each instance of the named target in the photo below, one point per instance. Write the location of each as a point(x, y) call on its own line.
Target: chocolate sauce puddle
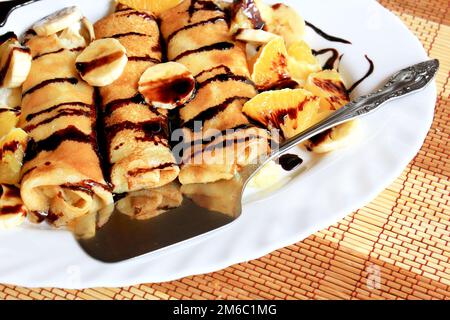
point(290, 162)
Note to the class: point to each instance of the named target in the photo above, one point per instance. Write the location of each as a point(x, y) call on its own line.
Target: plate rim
point(263, 250)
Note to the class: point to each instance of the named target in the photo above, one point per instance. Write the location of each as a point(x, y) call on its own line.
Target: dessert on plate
point(157, 102)
point(136, 132)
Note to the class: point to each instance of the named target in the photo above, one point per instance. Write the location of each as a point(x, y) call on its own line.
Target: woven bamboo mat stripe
point(397, 247)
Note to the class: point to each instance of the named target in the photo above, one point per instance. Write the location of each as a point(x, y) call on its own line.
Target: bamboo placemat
point(397, 247)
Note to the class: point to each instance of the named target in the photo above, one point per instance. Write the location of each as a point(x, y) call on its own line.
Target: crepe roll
point(62, 178)
point(197, 35)
point(136, 132)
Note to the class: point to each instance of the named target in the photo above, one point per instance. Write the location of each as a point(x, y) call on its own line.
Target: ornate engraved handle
point(6, 7)
point(404, 82)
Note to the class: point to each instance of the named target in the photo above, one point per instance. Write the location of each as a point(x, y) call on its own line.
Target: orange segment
point(286, 22)
point(270, 68)
point(155, 6)
point(291, 110)
point(329, 87)
point(301, 61)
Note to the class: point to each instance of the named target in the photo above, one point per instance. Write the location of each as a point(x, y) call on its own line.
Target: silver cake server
point(123, 238)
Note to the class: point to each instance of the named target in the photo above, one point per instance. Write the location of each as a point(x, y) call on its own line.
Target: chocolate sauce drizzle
point(71, 133)
point(122, 35)
point(224, 77)
point(47, 53)
point(7, 36)
point(44, 83)
point(210, 113)
point(28, 35)
point(11, 192)
point(194, 25)
point(368, 73)
point(205, 141)
point(120, 103)
point(86, 186)
point(65, 104)
point(144, 15)
point(145, 58)
point(162, 166)
point(325, 35)
point(62, 113)
point(151, 129)
point(86, 67)
point(17, 111)
point(202, 5)
point(11, 146)
point(226, 69)
point(217, 46)
point(330, 63)
point(227, 142)
point(18, 208)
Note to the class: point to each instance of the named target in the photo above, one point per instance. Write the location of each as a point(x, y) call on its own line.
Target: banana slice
point(265, 10)
point(10, 98)
point(255, 36)
point(87, 30)
point(286, 22)
point(78, 35)
point(15, 63)
point(336, 138)
point(102, 62)
point(224, 4)
point(12, 152)
point(245, 15)
point(269, 175)
point(57, 21)
point(167, 85)
point(8, 121)
point(12, 210)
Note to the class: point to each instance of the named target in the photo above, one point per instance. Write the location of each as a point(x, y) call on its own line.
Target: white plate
point(330, 188)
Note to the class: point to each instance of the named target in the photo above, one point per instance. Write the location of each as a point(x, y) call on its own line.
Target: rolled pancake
point(136, 132)
point(62, 179)
point(197, 35)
